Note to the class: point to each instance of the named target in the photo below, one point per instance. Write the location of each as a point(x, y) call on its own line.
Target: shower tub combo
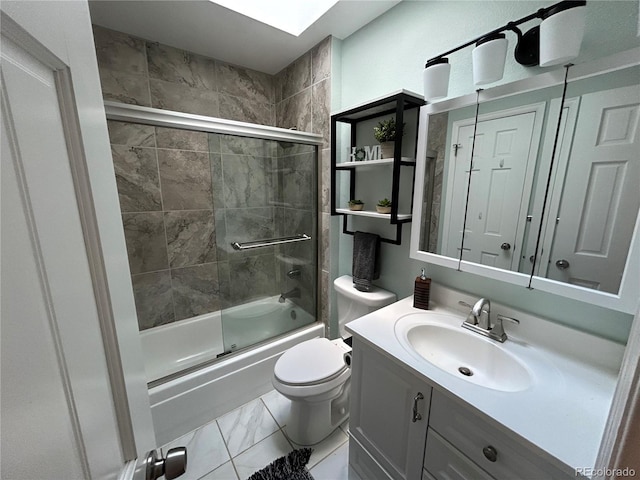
point(263, 270)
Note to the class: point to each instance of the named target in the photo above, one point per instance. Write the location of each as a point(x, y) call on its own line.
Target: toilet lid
point(310, 362)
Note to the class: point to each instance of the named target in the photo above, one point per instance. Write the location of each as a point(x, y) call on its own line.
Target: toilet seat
point(313, 362)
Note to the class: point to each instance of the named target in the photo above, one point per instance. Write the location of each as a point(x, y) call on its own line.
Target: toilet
point(315, 375)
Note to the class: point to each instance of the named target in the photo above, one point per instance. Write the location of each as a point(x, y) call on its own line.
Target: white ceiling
point(208, 29)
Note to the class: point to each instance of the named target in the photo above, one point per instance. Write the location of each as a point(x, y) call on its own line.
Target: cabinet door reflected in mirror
point(595, 193)
point(592, 192)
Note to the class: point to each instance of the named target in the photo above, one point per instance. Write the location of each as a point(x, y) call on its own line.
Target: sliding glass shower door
point(265, 203)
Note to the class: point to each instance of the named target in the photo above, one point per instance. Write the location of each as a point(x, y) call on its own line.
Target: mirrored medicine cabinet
point(551, 201)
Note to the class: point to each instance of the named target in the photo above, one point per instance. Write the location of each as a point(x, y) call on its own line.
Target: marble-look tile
point(217, 181)
point(248, 181)
point(125, 87)
point(195, 290)
point(145, 238)
point(119, 51)
point(137, 178)
point(214, 142)
point(325, 303)
point(321, 61)
point(262, 454)
point(252, 278)
point(296, 77)
point(244, 427)
point(248, 84)
point(190, 237)
point(224, 282)
point(293, 221)
point(324, 249)
point(243, 110)
point(325, 447)
point(179, 66)
point(321, 111)
point(325, 181)
point(176, 139)
point(131, 134)
point(185, 180)
point(205, 451)
point(250, 224)
point(224, 472)
point(182, 98)
point(335, 466)
point(286, 149)
point(278, 405)
point(152, 294)
point(295, 112)
point(298, 181)
point(257, 147)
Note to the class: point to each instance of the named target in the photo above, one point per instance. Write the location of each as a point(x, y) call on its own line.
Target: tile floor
point(239, 443)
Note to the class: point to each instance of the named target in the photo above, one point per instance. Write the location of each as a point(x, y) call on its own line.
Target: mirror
point(591, 209)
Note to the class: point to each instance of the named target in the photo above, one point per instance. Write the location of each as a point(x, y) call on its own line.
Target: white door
point(65, 395)
point(504, 154)
point(601, 192)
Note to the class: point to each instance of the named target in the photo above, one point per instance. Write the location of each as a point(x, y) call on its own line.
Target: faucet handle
point(497, 331)
point(465, 304)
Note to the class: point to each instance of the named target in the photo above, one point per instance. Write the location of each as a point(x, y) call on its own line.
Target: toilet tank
point(352, 303)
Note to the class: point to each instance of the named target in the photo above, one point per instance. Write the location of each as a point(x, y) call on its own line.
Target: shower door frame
point(122, 112)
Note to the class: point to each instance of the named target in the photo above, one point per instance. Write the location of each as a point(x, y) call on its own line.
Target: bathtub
point(188, 401)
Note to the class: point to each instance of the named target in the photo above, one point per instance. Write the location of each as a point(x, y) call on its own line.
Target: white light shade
point(436, 79)
point(488, 60)
point(561, 35)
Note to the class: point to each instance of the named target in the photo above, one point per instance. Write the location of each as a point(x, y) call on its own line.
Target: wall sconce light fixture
point(436, 78)
point(556, 40)
point(488, 57)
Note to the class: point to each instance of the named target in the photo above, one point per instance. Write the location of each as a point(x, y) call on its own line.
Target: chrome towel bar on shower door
point(272, 241)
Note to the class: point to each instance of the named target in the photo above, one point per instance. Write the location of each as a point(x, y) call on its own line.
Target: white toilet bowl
point(315, 377)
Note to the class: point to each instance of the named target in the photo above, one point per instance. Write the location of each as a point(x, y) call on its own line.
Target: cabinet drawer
point(470, 434)
point(443, 462)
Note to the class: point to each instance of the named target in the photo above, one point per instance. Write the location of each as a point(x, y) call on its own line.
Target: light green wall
point(389, 54)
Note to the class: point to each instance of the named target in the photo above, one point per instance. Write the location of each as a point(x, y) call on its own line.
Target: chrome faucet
point(479, 320)
point(483, 321)
point(293, 293)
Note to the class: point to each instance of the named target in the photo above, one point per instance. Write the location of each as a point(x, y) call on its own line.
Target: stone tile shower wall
point(303, 101)
point(136, 71)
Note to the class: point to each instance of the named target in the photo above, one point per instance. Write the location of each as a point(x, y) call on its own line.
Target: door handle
point(562, 264)
point(171, 466)
point(505, 246)
point(416, 416)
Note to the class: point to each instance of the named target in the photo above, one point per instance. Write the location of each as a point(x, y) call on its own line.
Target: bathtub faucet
point(293, 293)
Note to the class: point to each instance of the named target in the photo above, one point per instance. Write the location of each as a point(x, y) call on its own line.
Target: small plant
point(385, 131)
point(385, 202)
point(356, 204)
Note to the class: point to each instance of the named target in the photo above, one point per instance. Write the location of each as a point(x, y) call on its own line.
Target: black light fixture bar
point(512, 26)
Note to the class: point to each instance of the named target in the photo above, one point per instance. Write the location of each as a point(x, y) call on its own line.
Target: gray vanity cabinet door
point(385, 401)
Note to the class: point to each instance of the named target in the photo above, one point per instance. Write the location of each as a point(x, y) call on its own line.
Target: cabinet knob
point(490, 453)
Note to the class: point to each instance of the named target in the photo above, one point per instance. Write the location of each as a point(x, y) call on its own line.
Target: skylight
point(291, 16)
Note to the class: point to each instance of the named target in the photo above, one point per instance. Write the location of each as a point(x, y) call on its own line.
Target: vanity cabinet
point(371, 179)
point(447, 440)
point(388, 419)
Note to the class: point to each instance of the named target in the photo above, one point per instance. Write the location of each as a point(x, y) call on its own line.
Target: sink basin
point(439, 339)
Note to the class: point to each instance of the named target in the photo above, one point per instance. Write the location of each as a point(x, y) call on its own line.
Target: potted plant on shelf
point(356, 205)
point(385, 133)
point(384, 206)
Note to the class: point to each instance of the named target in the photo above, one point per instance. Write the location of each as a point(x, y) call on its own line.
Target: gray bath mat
point(289, 467)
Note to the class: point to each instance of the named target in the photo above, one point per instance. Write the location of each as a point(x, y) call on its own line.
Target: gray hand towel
point(364, 269)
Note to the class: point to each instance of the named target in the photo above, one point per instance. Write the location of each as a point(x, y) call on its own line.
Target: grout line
point(224, 441)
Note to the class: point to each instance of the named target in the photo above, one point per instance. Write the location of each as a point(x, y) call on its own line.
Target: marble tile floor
point(239, 443)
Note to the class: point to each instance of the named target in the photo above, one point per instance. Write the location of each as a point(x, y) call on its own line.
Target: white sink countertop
point(573, 375)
